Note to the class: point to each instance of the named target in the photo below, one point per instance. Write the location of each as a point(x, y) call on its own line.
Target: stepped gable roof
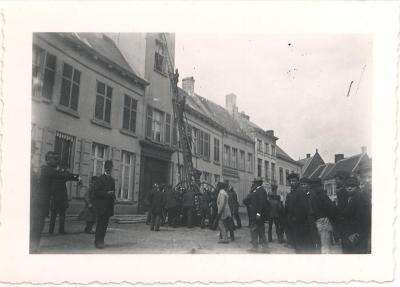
point(106, 49)
point(216, 113)
point(283, 155)
point(347, 164)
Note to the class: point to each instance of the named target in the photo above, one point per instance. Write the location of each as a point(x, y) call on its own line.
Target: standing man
point(171, 206)
point(157, 203)
point(247, 203)
point(341, 202)
point(274, 212)
point(323, 210)
point(289, 203)
point(59, 198)
point(234, 206)
point(103, 199)
point(188, 207)
point(223, 212)
point(258, 215)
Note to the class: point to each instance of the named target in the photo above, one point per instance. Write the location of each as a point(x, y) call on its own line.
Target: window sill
point(67, 111)
point(160, 72)
point(101, 123)
point(128, 133)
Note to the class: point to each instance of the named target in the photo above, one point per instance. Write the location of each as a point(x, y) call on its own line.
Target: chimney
point(188, 85)
point(230, 103)
point(338, 156)
point(363, 149)
point(270, 133)
point(308, 155)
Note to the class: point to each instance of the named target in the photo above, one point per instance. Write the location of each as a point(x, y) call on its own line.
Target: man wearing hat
point(356, 227)
point(103, 201)
point(258, 215)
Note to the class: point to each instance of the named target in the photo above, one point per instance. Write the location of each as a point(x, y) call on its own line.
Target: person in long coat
point(293, 179)
point(223, 212)
point(89, 214)
point(171, 206)
point(259, 212)
point(157, 204)
point(234, 206)
point(103, 200)
point(59, 199)
point(274, 214)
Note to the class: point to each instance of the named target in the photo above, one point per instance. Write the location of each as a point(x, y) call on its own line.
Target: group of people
point(49, 195)
point(190, 208)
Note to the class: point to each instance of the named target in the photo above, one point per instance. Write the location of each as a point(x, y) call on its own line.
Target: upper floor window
point(250, 162)
point(242, 160)
point(266, 163)
point(259, 167)
point(234, 158)
point(129, 115)
point(160, 57)
point(273, 171)
point(70, 87)
point(227, 155)
point(259, 145)
point(155, 124)
point(216, 150)
point(273, 150)
point(266, 148)
point(281, 176)
point(43, 73)
point(103, 102)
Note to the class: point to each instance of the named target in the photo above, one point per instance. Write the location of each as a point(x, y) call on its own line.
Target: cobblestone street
point(137, 238)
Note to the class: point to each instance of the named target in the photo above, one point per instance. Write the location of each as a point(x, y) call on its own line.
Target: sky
point(297, 85)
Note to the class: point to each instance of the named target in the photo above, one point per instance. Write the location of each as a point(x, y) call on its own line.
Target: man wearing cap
point(293, 179)
point(323, 209)
point(103, 200)
point(356, 220)
point(258, 215)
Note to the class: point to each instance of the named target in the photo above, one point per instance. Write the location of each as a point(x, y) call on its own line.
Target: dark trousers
point(89, 226)
point(278, 229)
point(248, 215)
point(188, 216)
point(237, 218)
point(302, 238)
point(172, 214)
point(101, 228)
point(205, 214)
point(36, 228)
point(148, 220)
point(155, 221)
point(257, 232)
point(53, 216)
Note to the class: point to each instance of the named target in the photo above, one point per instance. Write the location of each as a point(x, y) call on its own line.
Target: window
point(266, 148)
point(70, 87)
point(273, 151)
point(234, 158)
point(64, 146)
point(273, 171)
point(99, 156)
point(200, 139)
point(206, 149)
point(250, 162)
point(43, 73)
point(242, 160)
point(227, 155)
point(259, 167)
point(195, 139)
point(159, 58)
point(180, 173)
point(281, 176)
point(216, 178)
point(259, 145)
point(103, 102)
point(216, 150)
point(154, 129)
point(167, 128)
point(287, 175)
point(266, 163)
point(127, 175)
point(129, 115)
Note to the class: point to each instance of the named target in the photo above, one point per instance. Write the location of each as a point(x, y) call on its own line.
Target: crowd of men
point(308, 221)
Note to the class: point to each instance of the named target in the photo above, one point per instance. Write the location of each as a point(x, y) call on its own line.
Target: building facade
point(87, 105)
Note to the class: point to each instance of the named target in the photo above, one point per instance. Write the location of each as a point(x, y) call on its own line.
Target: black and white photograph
point(169, 142)
point(131, 154)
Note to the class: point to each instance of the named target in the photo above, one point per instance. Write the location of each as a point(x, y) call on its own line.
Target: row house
point(87, 105)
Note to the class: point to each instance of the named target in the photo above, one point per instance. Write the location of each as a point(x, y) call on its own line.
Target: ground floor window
point(125, 193)
point(64, 145)
point(99, 156)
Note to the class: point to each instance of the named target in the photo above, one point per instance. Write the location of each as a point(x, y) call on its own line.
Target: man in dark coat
point(157, 203)
point(188, 207)
point(247, 203)
point(103, 200)
point(205, 208)
point(356, 226)
point(341, 202)
point(323, 210)
point(171, 206)
point(293, 179)
point(234, 206)
point(274, 212)
point(258, 215)
point(59, 199)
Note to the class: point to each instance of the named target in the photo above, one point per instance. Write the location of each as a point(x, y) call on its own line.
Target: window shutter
point(149, 121)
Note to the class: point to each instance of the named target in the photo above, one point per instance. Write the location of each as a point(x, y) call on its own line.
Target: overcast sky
point(296, 85)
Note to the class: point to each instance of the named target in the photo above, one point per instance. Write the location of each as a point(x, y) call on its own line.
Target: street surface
point(137, 238)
